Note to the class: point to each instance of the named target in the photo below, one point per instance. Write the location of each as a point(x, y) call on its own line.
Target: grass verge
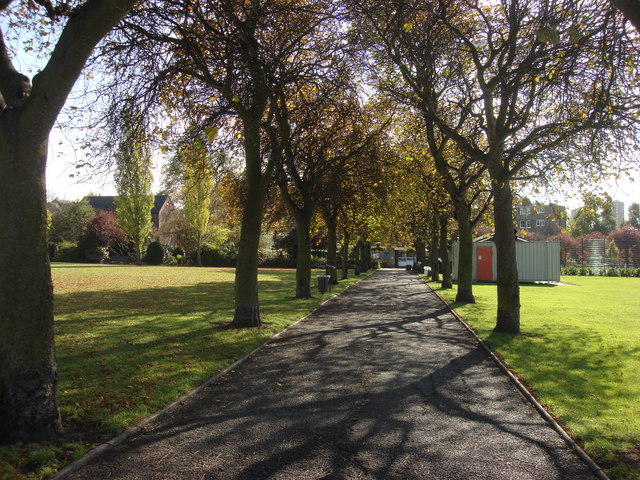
point(130, 340)
point(579, 353)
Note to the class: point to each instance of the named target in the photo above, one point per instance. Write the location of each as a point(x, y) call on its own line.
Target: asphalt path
point(381, 382)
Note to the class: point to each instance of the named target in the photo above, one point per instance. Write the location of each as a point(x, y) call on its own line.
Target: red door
point(484, 263)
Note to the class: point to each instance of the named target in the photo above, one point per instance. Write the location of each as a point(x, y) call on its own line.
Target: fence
point(598, 256)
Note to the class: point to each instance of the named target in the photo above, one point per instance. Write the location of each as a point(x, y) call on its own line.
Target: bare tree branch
point(14, 86)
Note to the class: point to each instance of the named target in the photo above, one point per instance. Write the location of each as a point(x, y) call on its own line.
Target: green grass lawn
point(580, 355)
point(130, 340)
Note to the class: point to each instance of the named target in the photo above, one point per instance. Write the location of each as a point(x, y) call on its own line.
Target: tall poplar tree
point(133, 179)
point(197, 190)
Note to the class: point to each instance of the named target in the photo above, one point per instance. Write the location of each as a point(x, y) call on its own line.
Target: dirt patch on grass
point(631, 457)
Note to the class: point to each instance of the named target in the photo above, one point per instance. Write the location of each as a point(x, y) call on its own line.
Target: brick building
point(542, 220)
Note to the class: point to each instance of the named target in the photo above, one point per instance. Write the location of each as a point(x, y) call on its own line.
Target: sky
point(64, 184)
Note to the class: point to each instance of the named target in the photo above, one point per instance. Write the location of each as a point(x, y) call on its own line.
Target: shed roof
point(492, 237)
point(108, 202)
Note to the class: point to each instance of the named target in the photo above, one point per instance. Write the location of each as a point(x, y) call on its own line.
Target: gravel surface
point(382, 382)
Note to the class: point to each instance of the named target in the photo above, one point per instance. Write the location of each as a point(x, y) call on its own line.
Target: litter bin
point(324, 283)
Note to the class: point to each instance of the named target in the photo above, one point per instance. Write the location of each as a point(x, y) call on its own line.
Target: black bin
point(324, 283)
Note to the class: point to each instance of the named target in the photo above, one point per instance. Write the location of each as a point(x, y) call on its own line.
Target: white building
point(618, 212)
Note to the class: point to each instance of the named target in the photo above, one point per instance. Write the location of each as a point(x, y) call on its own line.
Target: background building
point(542, 220)
point(162, 209)
point(618, 212)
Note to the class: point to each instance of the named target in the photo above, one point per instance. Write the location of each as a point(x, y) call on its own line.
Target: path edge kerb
point(526, 394)
point(100, 449)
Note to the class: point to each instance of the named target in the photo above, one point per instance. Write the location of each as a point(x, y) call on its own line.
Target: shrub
point(155, 253)
point(279, 260)
point(571, 270)
point(170, 260)
point(613, 272)
point(179, 255)
point(67, 252)
point(102, 231)
point(215, 257)
point(587, 271)
point(318, 260)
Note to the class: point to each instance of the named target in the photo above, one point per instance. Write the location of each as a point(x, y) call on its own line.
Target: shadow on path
point(380, 383)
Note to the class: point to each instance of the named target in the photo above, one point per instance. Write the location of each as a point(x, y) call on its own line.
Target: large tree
point(522, 88)
point(345, 194)
point(133, 179)
point(197, 190)
point(28, 110)
point(218, 61)
point(442, 165)
point(321, 131)
point(631, 10)
point(627, 239)
point(103, 232)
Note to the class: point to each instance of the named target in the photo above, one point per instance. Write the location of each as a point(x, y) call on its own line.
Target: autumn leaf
point(548, 35)
point(211, 133)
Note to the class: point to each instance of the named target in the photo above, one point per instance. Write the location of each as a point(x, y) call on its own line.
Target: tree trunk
point(433, 251)
point(508, 315)
point(332, 246)
point(631, 11)
point(198, 249)
point(356, 255)
point(420, 246)
point(28, 377)
point(138, 254)
point(444, 252)
point(465, 253)
point(303, 260)
point(247, 311)
point(345, 256)
point(366, 256)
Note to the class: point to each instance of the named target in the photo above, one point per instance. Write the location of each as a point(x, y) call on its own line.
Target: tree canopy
point(596, 215)
point(68, 220)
